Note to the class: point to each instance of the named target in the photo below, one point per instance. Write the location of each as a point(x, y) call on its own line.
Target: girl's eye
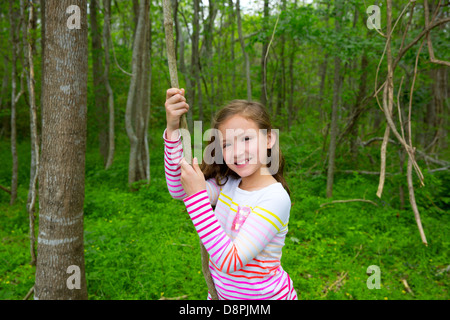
point(247, 138)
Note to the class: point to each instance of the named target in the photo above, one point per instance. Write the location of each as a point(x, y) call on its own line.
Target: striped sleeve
point(268, 218)
point(173, 153)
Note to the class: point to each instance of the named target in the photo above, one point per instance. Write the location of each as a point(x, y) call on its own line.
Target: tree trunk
point(14, 34)
point(100, 91)
point(290, 114)
point(282, 80)
point(4, 121)
point(388, 99)
point(322, 74)
point(181, 59)
point(435, 116)
point(28, 43)
point(357, 107)
point(265, 47)
point(62, 174)
point(197, 101)
point(244, 53)
point(137, 101)
point(106, 42)
point(171, 57)
point(335, 107)
point(233, 66)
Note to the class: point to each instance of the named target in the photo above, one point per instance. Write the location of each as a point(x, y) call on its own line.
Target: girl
point(239, 206)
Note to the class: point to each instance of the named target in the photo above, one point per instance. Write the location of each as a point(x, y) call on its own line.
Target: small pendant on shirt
point(241, 216)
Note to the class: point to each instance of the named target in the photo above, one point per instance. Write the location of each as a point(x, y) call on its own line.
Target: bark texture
point(61, 175)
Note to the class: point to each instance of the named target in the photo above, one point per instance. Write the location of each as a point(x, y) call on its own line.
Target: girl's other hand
point(176, 106)
point(192, 177)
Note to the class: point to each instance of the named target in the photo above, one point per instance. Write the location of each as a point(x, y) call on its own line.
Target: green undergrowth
point(142, 244)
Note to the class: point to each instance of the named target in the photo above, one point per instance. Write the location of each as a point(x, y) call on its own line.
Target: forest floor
point(142, 245)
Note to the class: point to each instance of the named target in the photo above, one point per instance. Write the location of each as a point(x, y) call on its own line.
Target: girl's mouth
point(241, 165)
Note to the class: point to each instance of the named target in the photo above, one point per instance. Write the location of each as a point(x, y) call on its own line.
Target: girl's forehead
point(238, 122)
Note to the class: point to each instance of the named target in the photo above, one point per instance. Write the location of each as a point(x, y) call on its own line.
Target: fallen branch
point(349, 200)
point(343, 274)
point(374, 173)
point(439, 169)
point(447, 269)
point(5, 189)
point(29, 293)
point(336, 283)
point(405, 283)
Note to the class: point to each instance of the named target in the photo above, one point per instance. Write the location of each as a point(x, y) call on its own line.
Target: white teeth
point(242, 163)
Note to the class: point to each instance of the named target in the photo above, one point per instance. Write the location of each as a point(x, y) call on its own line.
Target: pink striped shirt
point(244, 234)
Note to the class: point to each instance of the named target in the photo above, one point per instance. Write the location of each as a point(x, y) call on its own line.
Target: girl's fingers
point(173, 91)
point(178, 106)
point(175, 99)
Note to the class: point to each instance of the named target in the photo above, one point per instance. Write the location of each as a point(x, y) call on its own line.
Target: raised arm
point(176, 106)
point(267, 219)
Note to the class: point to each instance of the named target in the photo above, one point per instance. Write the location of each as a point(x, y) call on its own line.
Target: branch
point(350, 200)
point(172, 62)
point(5, 189)
point(430, 45)
point(412, 200)
point(417, 39)
point(439, 169)
point(405, 283)
point(115, 59)
point(29, 293)
point(366, 143)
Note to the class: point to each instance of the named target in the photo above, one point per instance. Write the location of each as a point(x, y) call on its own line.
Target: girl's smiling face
point(244, 146)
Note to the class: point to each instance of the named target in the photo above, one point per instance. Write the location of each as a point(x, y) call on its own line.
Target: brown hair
point(250, 110)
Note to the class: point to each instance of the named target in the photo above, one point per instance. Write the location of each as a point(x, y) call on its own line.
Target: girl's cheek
point(226, 156)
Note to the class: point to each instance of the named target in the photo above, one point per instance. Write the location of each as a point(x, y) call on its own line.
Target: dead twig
point(405, 283)
point(29, 293)
point(342, 276)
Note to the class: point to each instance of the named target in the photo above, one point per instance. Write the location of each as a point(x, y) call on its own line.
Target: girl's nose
point(239, 150)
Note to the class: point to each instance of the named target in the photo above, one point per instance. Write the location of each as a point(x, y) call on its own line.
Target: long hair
point(249, 110)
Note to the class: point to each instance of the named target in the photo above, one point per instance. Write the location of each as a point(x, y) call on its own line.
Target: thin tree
point(195, 60)
point(264, 49)
point(106, 44)
point(60, 267)
point(29, 48)
point(335, 106)
point(232, 55)
point(171, 57)
point(14, 34)
point(99, 85)
point(244, 53)
point(138, 100)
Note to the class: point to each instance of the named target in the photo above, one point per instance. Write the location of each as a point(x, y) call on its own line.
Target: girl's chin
point(243, 172)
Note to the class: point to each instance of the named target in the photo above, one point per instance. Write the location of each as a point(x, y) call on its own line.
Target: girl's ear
point(272, 138)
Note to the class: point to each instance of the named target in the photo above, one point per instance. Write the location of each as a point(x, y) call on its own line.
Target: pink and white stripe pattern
point(173, 153)
point(244, 263)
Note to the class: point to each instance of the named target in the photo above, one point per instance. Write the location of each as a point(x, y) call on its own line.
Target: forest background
point(318, 66)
